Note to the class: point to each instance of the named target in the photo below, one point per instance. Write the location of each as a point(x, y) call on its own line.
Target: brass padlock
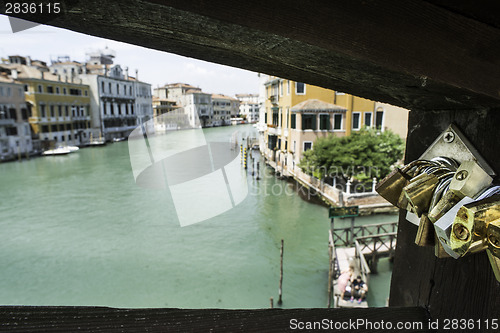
point(425, 233)
point(449, 199)
point(419, 192)
point(470, 179)
point(493, 236)
point(471, 222)
point(391, 186)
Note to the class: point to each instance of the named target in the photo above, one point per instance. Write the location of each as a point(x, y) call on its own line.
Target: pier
point(360, 247)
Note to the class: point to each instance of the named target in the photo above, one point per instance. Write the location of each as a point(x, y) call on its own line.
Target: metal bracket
point(453, 143)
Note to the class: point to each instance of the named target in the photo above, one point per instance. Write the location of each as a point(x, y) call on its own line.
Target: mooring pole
point(281, 274)
point(272, 302)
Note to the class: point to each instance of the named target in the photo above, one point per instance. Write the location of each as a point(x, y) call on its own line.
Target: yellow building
point(296, 114)
point(59, 110)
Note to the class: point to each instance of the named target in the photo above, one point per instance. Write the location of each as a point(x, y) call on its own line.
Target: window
point(75, 92)
point(52, 111)
point(25, 87)
point(379, 119)
point(117, 89)
point(50, 90)
point(42, 111)
point(40, 88)
point(308, 145)
point(337, 122)
point(64, 91)
point(275, 117)
point(265, 117)
point(109, 86)
point(59, 110)
point(66, 111)
point(300, 88)
point(45, 128)
point(355, 120)
point(288, 87)
point(102, 86)
point(58, 91)
point(86, 93)
point(308, 122)
point(368, 119)
point(324, 122)
point(281, 88)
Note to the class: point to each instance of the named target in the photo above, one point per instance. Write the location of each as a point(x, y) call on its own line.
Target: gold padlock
point(425, 233)
point(449, 199)
point(419, 192)
point(493, 236)
point(470, 225)
point(391, 186)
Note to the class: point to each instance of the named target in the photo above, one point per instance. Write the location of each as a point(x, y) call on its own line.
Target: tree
point(364, 154)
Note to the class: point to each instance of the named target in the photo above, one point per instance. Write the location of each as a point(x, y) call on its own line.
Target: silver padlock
point(470, 179)
point(443, 226)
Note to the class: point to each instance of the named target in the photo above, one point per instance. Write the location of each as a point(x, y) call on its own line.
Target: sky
point(155, 67)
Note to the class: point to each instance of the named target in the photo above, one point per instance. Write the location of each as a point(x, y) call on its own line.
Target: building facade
point(15, 132)
point(224, 108)
point(119, 102)
point(59, 109)
point(249, 107)
point(295, 114)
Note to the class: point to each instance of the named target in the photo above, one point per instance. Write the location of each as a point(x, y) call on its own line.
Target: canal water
point(77, 230)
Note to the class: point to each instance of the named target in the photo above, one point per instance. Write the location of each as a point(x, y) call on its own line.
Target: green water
point(77, 230)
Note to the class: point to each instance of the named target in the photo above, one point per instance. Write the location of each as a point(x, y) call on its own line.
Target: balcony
point(4, 122)
point(274, 99)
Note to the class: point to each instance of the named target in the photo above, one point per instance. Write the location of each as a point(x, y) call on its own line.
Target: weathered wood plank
point(449, 288)
point(411, 53)
point(100, 319)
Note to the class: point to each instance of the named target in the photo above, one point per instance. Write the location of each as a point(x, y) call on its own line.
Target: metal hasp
point(452, 143)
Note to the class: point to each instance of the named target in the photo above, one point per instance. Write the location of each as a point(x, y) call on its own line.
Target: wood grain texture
point(412, 54)
point(448, 288)
point(99, 319)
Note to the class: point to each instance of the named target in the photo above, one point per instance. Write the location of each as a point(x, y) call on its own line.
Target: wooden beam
point(412, 54)
point(100, 319)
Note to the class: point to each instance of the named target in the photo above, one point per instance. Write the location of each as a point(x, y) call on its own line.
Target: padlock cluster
point(456, 207)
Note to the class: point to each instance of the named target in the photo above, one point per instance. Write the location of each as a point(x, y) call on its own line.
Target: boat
point(57, 151)
point(96, 142)
point(119, 139)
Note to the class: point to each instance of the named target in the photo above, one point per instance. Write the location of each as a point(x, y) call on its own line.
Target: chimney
point(13, 74)
point(28, 60)
point(126, 73)
point(137, 74)
point(41, 75)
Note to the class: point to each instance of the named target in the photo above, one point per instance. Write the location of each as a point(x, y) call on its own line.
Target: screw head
point(461, 231)
point(461, 175)
point(448, 137)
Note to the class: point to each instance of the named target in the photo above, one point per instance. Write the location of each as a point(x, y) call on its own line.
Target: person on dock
point(359, 289)
point(344, 280)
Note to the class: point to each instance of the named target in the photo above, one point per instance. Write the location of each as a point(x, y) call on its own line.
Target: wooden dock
point(359, 247)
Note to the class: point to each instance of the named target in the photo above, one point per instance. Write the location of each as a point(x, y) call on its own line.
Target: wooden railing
point(345, 236)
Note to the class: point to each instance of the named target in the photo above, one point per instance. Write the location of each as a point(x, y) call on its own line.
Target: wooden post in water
point(272, 302)
point(330, 276)
point(281, 274)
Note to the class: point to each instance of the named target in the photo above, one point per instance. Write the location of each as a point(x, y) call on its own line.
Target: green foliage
point(363, 155)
